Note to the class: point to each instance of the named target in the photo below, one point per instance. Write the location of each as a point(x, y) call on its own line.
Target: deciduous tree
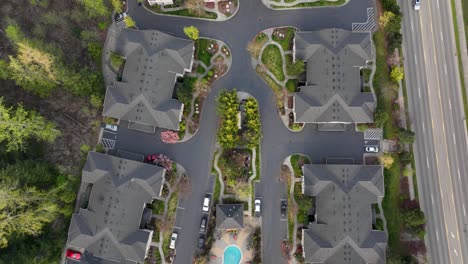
point(385, 18)
point(192, 32)
point(397, 74)
point(406, 136)
point(17, 126)
point(386, 160)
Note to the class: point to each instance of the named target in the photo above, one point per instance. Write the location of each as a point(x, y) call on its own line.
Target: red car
point(73, 254)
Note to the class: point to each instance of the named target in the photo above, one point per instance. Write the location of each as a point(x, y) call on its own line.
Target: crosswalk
point(367, 26)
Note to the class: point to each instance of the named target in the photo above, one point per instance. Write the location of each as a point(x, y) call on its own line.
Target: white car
point(257, 205)
point(206, 204)
point(111, 127)
point(373, 149)
point(173, 240)
point(417, 4)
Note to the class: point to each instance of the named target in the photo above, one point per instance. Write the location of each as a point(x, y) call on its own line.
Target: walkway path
point(289, 4)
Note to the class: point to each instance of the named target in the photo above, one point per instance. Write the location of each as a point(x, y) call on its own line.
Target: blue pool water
point(232, 255)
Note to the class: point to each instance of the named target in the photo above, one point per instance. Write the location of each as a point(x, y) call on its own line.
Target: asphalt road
point(436, 113)
point(278, 142)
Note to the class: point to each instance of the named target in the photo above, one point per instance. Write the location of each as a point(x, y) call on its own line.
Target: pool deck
point(227, 239)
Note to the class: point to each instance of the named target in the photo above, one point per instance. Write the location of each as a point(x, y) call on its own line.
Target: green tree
point(95, 8)
point(253, 132)
point(34, 69)
point(385, 18)
point(386, 160)
point(18, 126)
point(192, 32)
point(32, 195)
point(129, 22)
point(117, 5)
point(406, 136)
point(413, 218)
point(227, 108)
point(13, 33)
point(397, 74)
point(380, 118)
point(4, 70)
point(295, 68)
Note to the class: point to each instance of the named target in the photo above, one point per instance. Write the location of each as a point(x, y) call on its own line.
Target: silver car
point(417, 4)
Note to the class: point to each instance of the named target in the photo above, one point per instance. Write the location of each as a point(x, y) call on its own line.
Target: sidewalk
point(289, 5)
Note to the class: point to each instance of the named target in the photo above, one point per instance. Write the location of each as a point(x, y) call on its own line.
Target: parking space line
point(180, 208)
point(176, 227)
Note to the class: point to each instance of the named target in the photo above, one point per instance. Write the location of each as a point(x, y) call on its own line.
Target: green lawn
point(287, 42)
point(457, 42)
point(291, 85)
point(272, 59)
point(201, 51)
point(217, 189)
point(297, 161)
point(383, 86)
point(391, 206)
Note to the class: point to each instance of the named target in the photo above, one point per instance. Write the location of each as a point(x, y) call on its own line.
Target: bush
point(406, 156)
point(228, 107)
point(406, 136)
point(380, 118)
point(397, 74)
point(116, 60)
point(386, 160)
point(191, 32)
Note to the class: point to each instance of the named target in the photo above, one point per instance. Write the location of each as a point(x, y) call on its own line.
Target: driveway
point(196, 154)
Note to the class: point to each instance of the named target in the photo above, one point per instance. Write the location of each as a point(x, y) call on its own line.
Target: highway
point(437, 117)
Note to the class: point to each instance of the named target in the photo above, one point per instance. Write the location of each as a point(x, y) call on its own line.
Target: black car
point(201, 243)
point(203, 225)
point(284, 208)
point(119, 17)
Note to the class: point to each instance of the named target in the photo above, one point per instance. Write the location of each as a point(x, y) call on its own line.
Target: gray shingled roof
point(342, 232)
point(333, 89)
point(230, 216)
point(110, 228)
point(153, 60)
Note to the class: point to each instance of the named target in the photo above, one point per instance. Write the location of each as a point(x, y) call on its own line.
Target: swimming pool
point(232, 255)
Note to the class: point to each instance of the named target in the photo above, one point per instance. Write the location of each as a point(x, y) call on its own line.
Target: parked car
point(119, 17)
point(417, 4)
point(372, 149)
point(203, 225)
point(111, 127)
point(257, 205)
point(284, 208)
point(71, 254)
point(173, 241)
point(206, 204)
point(201, 243)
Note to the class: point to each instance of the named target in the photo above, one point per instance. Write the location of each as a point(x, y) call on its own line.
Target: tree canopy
point(32, 195)
point(19, 125)
point(228, 107)
point(253, 131)
point(191, 32)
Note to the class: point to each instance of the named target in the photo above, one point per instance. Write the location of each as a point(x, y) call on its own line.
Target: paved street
point(436, 113)
point(278, 142)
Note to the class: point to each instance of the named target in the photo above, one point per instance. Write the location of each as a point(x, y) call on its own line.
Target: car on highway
point(284, 208)
point(71, 254)
point(206, 204)
point(173, 240)
point(372, 149)
point(258, 204)
point(417, 4)
point(203, 225)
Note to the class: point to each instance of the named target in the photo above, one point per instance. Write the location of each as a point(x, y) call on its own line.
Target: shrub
point(129, 22)
point(95, 101)
point(169, 137)
point(397, 74)
point(380, 118)
point(408, 172)
point(192, 32)
point(386, 160)
point(406, 136)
